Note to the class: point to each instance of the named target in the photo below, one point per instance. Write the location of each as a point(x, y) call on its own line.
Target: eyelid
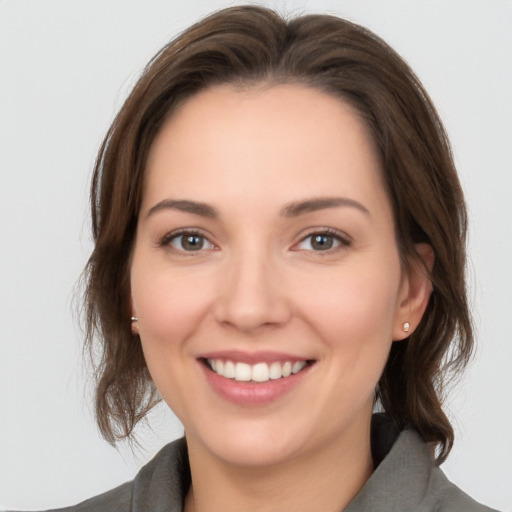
point(343, 239)
point(165, 241)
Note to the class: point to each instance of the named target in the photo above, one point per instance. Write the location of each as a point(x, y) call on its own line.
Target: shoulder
point(406, 479)
point(437, 492)
point(160, 485)
point(116, 500)
point(449, 497)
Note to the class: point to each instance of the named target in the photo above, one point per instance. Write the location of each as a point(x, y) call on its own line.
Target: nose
point(251, 294)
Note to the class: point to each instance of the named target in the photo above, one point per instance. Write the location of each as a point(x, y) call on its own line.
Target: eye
point(187, 241)
point(322, 241)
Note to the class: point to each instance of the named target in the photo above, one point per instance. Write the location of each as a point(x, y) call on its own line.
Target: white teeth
point(242, 371)
point(229, 370)
point(275, 371)
point(297, 366)
point(260, 372)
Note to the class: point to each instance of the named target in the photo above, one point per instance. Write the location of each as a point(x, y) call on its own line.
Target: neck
point(326, 479)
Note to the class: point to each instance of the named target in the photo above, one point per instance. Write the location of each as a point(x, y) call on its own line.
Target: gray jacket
point(405, 480)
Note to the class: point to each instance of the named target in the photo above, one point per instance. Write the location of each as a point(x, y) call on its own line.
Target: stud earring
point(134, 319)
point(406, 326)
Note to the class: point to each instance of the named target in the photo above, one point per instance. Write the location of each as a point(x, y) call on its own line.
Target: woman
point(279, 249)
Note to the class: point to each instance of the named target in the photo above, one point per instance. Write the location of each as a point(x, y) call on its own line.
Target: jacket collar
point(400, 481)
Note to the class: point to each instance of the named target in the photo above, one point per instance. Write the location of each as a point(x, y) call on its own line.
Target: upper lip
point(253, 357)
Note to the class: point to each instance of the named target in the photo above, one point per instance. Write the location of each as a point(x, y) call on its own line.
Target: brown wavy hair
point(248, 45)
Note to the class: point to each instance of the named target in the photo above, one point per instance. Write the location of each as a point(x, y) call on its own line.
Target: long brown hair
point(246, 45)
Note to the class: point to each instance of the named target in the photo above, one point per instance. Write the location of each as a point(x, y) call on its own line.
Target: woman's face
point(265, 245)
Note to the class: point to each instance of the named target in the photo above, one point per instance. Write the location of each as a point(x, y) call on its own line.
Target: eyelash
point(343, 240)
point(169, 237)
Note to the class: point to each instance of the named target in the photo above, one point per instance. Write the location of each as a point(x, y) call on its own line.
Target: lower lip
point(252, 393)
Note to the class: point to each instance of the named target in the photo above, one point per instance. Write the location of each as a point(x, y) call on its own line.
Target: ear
point(414, 295)
point(134, 320)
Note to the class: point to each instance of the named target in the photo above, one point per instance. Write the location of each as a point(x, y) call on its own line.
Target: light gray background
point(65, 68)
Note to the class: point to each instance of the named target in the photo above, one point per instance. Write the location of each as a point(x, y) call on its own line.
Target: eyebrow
point(320, 203)
point(183, 205)
point(293, 209)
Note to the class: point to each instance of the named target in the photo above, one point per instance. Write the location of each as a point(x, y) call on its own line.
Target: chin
point(250, 444)
point(257, 453)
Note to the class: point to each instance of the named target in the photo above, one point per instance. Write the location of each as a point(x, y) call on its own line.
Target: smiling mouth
point(259, 372)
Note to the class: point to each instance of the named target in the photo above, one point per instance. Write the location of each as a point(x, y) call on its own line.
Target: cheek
point(353, 312)
point(353, 300)
point(169, 304)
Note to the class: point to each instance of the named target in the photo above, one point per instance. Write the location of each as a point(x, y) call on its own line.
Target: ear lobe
point(134, 320)
point(415, 294)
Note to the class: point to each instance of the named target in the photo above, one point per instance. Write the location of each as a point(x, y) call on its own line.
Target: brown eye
point(322, 242)
point(192, 242)
point(189, 242)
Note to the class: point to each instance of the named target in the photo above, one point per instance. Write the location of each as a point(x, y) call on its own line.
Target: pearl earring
point(406, 326)
point(134, 319)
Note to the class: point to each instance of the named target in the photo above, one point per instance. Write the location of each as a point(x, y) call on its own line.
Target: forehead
point(282, 141)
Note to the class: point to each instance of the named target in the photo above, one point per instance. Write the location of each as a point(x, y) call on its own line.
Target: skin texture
point(258, 283)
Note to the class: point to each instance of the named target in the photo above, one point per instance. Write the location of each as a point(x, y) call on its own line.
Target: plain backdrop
point(65, 68)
